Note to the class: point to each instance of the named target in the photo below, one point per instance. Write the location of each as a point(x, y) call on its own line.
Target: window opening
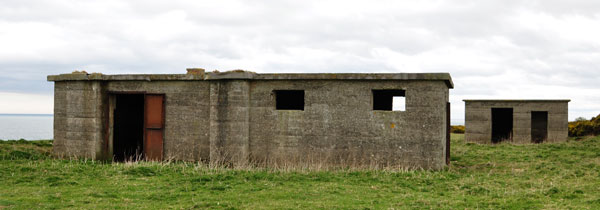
point(289, 99)
point(389, 100)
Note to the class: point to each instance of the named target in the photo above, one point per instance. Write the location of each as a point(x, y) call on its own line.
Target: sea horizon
point(25, 114)
point(26, 126)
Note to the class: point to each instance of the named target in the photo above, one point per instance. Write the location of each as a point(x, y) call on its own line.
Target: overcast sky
point(520, 49)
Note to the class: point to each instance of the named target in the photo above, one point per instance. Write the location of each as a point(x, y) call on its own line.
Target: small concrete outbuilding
point(241, 117)
point(517, 121)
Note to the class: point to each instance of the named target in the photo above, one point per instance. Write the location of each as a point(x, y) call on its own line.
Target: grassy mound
point(549, 176)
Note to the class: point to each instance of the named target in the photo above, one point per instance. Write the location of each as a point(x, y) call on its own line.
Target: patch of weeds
point(157, 197)
point(574, 195)
point(202, 179)
point(54, 181)
point(27, 169)
point(25, 179)
point(53, 198)
point(552, 191)
point(258, 176)
point(17, 154)
point(141, 171)
point(321, 177)
point(596, 201)
point(5, 203)
point(570, 196)
point(221, 177)
point(256, 189)
point(478, 191)
point(44, 143)
point(219, 188)
point(104, 195)
point(407, 185)
point(212, 205)
point(590, 165)
point(521, 203)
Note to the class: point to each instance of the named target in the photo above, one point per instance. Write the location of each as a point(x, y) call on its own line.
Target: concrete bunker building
point(241, 117)
point(517, 121)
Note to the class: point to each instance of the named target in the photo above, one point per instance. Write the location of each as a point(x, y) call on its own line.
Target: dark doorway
point(448, 133)
point(539, 126)
point(128, 138)
point(502, 124)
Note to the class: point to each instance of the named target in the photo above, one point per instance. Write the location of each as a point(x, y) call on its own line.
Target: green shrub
point(457, 129)
point(583, 127)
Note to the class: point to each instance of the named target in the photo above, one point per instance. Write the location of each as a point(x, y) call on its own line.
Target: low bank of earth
point(546, 176)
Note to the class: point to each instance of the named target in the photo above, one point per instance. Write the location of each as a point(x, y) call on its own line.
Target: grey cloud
point(491, 48)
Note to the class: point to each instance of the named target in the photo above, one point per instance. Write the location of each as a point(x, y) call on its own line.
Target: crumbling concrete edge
point(517, 100)
point(199, 74)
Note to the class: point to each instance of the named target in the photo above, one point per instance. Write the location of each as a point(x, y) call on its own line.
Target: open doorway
point(502, 124)
point(539, 126)
point(128, 134)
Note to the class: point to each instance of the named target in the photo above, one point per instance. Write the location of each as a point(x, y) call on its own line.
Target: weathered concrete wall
point(229, 118)
point(478, 119)
point(78, 119)
point(339, 124)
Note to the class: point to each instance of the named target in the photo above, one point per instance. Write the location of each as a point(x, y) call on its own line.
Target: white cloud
point(493, 49)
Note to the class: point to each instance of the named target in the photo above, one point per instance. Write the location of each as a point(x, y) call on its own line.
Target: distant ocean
point(26, 126)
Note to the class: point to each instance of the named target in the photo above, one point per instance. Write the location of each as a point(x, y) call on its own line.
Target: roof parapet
point(517, 100)
point(234, 74)
point(200, 74)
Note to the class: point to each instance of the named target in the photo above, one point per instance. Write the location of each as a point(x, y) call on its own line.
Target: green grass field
point(544, 176)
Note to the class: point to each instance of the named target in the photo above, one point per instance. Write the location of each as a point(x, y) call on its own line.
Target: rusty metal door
point(448, 133)
point(154, 126)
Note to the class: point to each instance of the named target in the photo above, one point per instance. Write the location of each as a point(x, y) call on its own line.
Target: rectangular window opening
point(289, 99)
point(389, 100)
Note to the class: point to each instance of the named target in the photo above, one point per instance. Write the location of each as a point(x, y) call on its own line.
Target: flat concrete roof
point(517, 100)
point(199, 74)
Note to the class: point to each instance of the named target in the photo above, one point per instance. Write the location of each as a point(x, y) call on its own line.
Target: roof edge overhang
point(247, 75)
point(517, 100)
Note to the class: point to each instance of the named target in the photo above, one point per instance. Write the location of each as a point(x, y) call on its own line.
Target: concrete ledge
point(358, 76)
point(235, 74)
point(247, 75)
point(517, 100)
point(124, 77)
